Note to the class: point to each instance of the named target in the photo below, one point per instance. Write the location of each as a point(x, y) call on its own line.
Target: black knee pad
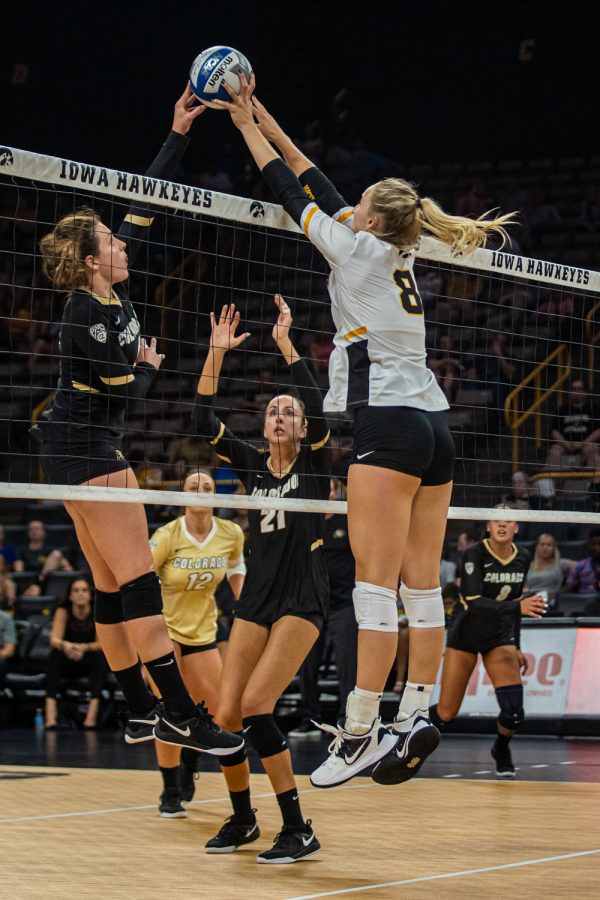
point(142, 597)
point(510, 701)
point(108, 608)
point(264, 735)
point(234, 759)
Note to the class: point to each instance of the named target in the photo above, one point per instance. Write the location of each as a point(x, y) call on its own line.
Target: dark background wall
point(425, 80)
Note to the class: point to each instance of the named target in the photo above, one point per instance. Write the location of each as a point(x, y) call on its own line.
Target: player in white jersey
point(400, 481)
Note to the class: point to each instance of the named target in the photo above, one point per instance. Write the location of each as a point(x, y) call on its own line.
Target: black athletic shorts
point(223, 630)
point(479, 633)
point(77, 463)
point(406, 440)
point(269, 613)
point(187, 649)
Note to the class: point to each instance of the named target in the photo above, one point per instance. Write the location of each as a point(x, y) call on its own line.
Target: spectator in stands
point(522, 495)
point(148, 474)
point(8, 591)
point(75, 652)
point(585, 575)
point(189, 447)
point(7, 551)
point(38, 556)
point(8, 643)
point(465, 539)
point(547, 571)
point(446, 366)
point(576, 432)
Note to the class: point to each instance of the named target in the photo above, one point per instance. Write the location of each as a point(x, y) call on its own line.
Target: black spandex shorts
point(77, 463)
point(268, 616)
point(223, 630)
point(406, 440)
point(480, 633)
point(187, 649)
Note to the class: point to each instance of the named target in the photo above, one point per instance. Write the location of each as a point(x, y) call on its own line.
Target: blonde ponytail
point(404, 217)
point(461, 234)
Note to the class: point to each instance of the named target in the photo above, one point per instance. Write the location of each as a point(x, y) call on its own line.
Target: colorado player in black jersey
point(487, 620)
point(104, 364)
point(283, 603)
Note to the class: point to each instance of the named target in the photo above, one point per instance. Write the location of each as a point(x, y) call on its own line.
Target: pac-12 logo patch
point(6, 157)
point(469, 568)
point(257, 210)
point(99, 333)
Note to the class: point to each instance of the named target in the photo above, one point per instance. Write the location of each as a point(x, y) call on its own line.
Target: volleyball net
point(510, 340)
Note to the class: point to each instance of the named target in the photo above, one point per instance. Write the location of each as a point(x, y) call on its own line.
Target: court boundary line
point(120, 809)
point(423, 878)
point(312, 790)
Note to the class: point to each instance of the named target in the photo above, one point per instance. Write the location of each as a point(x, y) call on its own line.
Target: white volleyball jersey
point(379, 347)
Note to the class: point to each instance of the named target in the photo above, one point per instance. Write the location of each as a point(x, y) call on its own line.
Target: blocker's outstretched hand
point(186, 110)
point(240, 106)
point(223, 336)
point(266, 123)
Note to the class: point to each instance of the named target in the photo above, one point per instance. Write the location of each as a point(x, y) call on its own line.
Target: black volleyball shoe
point(504, 764)
point(170, 805)
point(139, 728)
point(233, 834)
point(198, 732)
point(291, 845)
point(409, 754)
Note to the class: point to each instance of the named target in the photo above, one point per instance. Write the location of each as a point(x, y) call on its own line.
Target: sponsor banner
point(550, 654)
point(584, 693)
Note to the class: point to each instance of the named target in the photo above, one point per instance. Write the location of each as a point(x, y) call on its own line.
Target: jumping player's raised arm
point(139, 218)
point(332, 239)
point(316, 185)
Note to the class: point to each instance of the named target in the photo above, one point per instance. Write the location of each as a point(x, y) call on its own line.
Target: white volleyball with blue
point(214, 66)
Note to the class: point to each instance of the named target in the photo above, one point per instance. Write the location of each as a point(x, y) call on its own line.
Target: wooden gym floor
point(95, 833)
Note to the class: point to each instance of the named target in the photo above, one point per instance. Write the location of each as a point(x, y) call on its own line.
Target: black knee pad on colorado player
point(262, 733)
point(510, 701)
point(108, 608)
point(142, 597)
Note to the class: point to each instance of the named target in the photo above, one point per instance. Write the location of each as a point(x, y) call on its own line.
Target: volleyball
point(214, 66)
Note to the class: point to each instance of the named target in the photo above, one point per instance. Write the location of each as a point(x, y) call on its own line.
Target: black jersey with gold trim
point(489, 607)
point(100, 339)
point(485, 576)
point(284, 552)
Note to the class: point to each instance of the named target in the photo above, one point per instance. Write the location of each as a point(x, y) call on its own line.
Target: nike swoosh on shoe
point(350, 760)
point(185, 732)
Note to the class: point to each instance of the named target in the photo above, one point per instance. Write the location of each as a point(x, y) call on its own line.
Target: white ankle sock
point(415, 697)
point(362, 708)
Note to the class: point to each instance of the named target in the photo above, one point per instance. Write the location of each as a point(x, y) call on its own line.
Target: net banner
point(194, 200)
